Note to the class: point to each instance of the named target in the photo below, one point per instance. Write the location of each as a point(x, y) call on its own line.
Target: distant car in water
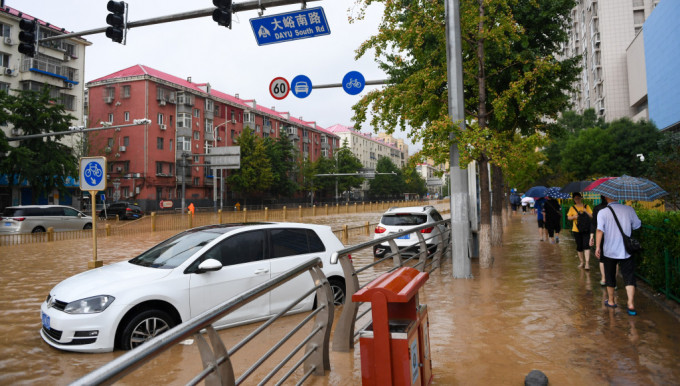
point(396, 220)
point(124, 210)
point(124, 304)
point(38, 218)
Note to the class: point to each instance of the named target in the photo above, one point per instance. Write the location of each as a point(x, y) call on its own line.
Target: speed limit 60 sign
point(279, 88)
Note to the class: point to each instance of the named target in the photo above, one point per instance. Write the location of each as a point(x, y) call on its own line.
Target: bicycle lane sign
point(353, 82)
point(92, 173)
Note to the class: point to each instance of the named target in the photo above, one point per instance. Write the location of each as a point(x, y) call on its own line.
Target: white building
point(601, 31)
point(59, 64)
point(369, 149)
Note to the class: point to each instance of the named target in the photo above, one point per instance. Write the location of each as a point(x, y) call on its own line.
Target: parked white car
point(124, 304)
point(38, 218)
point(397, 220)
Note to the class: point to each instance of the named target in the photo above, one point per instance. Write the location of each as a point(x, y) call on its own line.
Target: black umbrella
point(576, 186)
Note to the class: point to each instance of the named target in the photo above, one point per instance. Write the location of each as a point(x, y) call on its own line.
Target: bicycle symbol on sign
point(353, 83)
point(93, 173)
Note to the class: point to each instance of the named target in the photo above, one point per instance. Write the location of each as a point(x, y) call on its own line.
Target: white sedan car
point(122, 305)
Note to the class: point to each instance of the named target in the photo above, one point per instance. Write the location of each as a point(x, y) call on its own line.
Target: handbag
point(631, 244)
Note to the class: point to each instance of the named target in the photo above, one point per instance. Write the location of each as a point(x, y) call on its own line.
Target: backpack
point(583, 222)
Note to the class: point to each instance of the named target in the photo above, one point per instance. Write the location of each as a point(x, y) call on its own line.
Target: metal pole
point(184, 178)
point(460, 224)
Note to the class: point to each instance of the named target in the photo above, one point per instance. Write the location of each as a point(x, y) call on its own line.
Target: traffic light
point(28, 37)
point(222, 15)
point(117, 19)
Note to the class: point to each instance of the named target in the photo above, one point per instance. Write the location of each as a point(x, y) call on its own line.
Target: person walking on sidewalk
point(610, 249)
point(552, 215)
point(539, 216)
point(593, 231)
point(581, 214)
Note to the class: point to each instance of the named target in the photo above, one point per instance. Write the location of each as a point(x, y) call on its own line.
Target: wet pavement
point(533, 310)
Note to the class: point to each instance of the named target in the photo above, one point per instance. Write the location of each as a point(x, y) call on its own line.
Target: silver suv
point(37, 218)
point(400, 219)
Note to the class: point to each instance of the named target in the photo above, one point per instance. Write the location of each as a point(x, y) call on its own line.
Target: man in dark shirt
point(593, 229)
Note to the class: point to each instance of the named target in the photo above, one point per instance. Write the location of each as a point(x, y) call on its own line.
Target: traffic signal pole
point(235, 7)
point(460, 206)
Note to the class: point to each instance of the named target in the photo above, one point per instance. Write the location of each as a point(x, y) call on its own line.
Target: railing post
point(153, 221)
point(108, 230)
point(346, 207)
point(300, 211)
point(320, 343)
point(345, 234)
point(337, 208)
point(50, 234)
point(363, 207)
point(284, 213)
point(219, 216)
point(368, 228)
point(266, 214)
point(355, 207)
point(245, 214)
point(117, 218)
point(191, 221)
point(326, 209)
point(313, 210)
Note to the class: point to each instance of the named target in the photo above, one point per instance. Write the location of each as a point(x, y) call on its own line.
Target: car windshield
point(173, 252)
point(400, 219)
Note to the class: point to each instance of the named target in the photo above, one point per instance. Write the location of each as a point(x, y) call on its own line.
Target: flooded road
point(533, 310)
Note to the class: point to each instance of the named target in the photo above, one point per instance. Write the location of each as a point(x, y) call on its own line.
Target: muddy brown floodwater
point(533, 310)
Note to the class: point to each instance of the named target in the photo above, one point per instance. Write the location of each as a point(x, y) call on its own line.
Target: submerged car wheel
point(38, 230)
point(338, 288)
point(144, 326)
point(87, 226)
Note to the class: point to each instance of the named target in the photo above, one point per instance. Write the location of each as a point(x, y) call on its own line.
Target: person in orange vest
point(191, 208)
point(237, 207)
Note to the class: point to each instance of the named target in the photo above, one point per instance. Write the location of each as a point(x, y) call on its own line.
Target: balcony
point(209, 136)
point(184, 132)
point(51, 67)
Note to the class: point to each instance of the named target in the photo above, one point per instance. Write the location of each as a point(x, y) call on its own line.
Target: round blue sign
point(353, 83)
point(93, 173)
point(301, 86)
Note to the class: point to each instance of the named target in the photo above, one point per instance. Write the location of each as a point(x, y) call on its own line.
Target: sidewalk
point(536, 310)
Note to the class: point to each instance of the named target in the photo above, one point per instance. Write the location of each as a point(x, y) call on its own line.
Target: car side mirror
point(209, 265)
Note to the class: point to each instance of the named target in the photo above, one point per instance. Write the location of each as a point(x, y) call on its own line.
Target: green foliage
point(664, 165)
point(386, 185)
point(347, 162)
point(255, 175)
point(282, 155)
point(44, 163)
point(660, 239)
point(414, 182)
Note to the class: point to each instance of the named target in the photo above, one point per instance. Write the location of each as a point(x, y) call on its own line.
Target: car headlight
point(89, 305)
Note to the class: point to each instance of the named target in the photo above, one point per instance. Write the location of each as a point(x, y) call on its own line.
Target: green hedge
point(659, 262)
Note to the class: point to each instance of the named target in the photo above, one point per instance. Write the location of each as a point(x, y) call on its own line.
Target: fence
point(659, 262)
point(157, 222)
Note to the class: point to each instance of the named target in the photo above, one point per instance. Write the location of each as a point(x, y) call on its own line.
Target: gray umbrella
point(576, 186)
point(630, 188)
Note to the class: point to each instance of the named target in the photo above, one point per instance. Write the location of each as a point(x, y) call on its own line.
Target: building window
point(248, 117)
point(159, 167)
point(126, 91)
point(126, 191)
point(196, 181)
point(4, 87)
point(127, 116)
point(109, 93)
point(209, 105)
point(159, 143)
point(170, 142)
point(4, 59)
point(109, 142)
point(197, 135)
point(233, 135)
point(171, 168)
point(208, 125)
point(126, 141)
point(183, 120)
point(232, 116)
point(69, 102)
point(184, 143)
point(197, 113)
point(159, 193)
point(160, 118)
point(111, 118)
point(5, 30)
point(257, 128)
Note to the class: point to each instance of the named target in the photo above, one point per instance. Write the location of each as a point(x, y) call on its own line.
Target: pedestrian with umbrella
point(593, 232)
point(552, 214)
point(525, 202)
point(576, 186)
point(616, 223)
point(581, 214)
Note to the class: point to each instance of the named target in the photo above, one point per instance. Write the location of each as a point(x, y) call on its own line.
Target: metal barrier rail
point(344, 335)
point(217, 367)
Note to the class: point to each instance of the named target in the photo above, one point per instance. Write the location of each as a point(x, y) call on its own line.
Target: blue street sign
point(353, 83)
point(103, 197)
point(283, 27)
point(92, 173)
point(301, 86)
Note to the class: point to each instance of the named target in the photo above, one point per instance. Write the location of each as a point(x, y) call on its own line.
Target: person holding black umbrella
point(610, 249)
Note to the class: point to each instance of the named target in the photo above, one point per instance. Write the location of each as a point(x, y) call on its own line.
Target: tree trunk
point(497, 205)
point(485, 258)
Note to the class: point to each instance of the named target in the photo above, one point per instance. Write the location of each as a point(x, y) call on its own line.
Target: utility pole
point(460, 223)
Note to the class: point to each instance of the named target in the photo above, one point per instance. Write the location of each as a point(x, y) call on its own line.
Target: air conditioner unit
point(163, 127)
point(8, 40)
point(219, 138)
point(108, 99)
point(9, 71)
point(70, 86)
point(119, 169)
point(233, 120)
point(67, 57)
point(123, 148)
point(162, 103)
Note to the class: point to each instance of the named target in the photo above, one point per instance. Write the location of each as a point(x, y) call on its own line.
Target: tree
point(512, 80)
point(664, 167)
point(347, 162)
point(44, 163)
point(282, 155)
point(324, 185)
point(386, 185)
point(414, 182)
point(255, 175)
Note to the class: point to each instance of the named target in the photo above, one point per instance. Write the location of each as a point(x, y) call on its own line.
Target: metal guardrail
point(345, 334)
point(217, 367)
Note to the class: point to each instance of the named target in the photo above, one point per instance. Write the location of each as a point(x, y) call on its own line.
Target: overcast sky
point(230, 60)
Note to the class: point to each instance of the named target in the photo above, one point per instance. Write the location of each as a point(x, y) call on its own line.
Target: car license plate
point(45, 320)
point(408, 236)
point(8, 224)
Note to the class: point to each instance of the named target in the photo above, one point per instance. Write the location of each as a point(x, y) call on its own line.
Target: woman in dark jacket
point(552, 215)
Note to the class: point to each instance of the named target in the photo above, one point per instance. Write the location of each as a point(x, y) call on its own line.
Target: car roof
point(39, 206)
point(411, 209)
point(227, 228)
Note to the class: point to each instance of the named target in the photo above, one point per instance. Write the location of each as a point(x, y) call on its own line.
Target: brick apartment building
point(187, 119)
